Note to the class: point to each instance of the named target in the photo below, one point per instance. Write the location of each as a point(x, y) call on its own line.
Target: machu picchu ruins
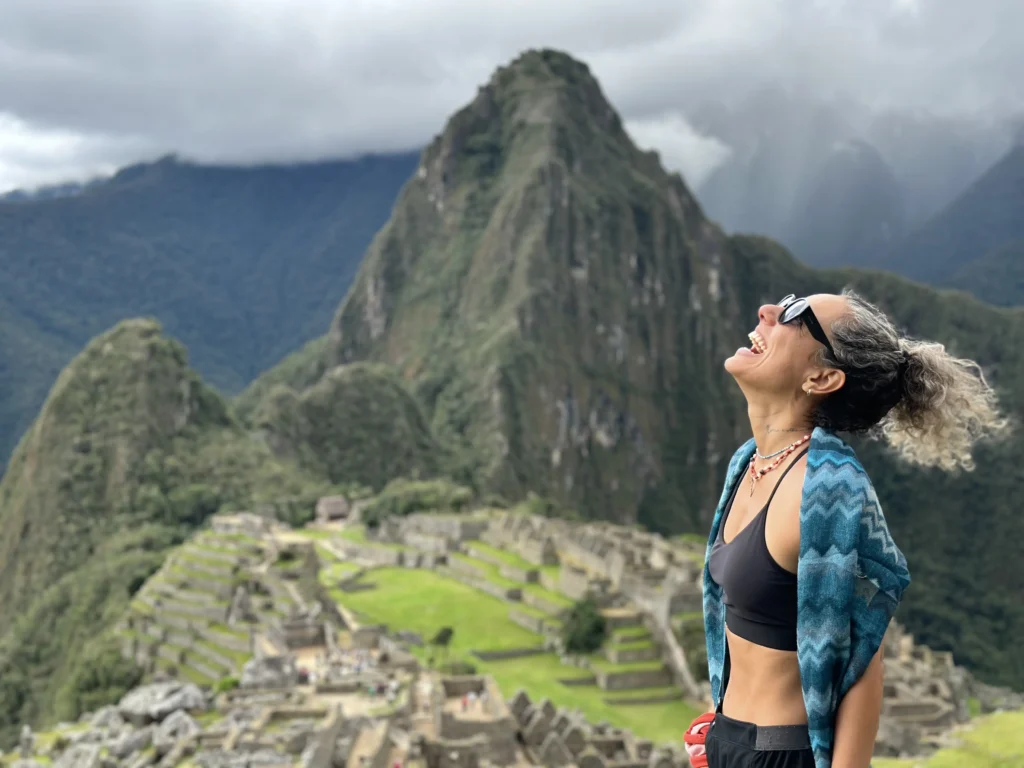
point(265, 645)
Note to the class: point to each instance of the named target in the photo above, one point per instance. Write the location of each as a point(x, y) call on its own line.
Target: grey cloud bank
point(89, 84)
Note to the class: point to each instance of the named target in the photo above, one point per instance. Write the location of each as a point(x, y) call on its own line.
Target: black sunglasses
point(796, 309)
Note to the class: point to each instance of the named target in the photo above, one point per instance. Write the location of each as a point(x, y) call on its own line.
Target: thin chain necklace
point(757, 474)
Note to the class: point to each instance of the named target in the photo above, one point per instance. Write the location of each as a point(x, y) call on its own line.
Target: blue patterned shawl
point(850, 579)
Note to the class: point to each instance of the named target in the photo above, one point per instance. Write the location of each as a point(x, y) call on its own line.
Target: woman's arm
point(857, 719)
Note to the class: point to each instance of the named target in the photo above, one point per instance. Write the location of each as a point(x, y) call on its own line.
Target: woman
point(802, 576)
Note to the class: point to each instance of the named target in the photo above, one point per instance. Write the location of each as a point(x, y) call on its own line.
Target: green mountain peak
point(130, 453)
point(128, 393)
point(532, 284)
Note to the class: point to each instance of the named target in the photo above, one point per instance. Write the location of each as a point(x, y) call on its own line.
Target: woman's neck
point(775, 427)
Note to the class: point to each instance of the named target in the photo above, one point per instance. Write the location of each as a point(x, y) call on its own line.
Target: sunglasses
point(794, 309)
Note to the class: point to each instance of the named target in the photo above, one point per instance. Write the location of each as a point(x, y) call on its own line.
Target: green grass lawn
point(994, 741)
point(629, 635)
point(238, 657)
point(336, 571)
point(529, 609)
point(180, 570)
point(357, 535)
point(423, 601)
point(488, 571)
point(509, 558)
point(492, 573)
point(547, 594)
point(600, 663)
point(550, 570)
point(633, 645)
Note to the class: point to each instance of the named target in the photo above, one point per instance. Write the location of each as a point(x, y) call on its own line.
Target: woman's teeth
point(757, 344)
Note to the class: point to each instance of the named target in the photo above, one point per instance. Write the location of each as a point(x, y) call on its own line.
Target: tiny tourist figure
point(802, 576)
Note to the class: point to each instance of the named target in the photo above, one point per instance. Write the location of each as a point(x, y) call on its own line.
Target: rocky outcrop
point(154, 702)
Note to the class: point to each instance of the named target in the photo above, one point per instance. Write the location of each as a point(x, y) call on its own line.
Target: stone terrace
point(198, 617)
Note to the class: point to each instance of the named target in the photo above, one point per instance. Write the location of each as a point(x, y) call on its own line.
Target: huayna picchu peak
point(532, 282)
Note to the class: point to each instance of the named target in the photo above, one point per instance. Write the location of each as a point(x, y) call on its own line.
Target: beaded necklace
point(757, 474)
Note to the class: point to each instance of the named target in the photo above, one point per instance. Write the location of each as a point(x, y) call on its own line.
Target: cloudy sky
point(89, 85)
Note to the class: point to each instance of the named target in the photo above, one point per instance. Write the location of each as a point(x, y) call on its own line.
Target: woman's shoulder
point(831, 456)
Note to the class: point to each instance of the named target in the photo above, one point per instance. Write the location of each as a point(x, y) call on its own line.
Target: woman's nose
point(769, 313)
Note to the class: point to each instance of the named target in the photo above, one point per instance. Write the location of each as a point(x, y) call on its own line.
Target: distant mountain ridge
point(854, 209)
point(977, 242)
point(790, 174)
point(242, 264)
point(48, 192)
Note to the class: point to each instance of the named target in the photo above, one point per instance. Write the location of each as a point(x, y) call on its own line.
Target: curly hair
point(930, 406)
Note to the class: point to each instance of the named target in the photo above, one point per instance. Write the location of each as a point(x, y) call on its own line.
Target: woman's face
point(781, 358)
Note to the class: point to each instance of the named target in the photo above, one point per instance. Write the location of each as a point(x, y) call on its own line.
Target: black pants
point(735, 744)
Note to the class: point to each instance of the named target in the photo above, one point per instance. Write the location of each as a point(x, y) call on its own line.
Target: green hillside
point(242, 264)
point(130, 453)
point(357, 424)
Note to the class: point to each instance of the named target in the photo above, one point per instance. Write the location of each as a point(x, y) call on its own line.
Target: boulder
point(178, 727)
point(107, 718)
point(130, 742)
point(154, 702)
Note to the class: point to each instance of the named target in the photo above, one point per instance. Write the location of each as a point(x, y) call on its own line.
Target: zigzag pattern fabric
point(850, 579)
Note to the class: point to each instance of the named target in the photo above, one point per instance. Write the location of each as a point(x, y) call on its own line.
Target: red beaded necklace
point(757, 474)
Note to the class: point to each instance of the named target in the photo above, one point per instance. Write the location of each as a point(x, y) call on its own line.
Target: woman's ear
point(825, 381)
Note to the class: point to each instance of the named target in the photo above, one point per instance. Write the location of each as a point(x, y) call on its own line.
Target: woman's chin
point(739, 361)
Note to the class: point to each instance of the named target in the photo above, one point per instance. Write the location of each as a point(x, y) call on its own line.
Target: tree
point(443, 639)
point(584, 629)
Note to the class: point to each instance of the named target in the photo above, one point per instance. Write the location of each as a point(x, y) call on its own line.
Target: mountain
point(882, 173)
point(976, 242)
point(562, 307)
point(367, 405)
point(130, 453)
point(779, 142)
point(853, 211)
point(242, 264)
point(49, 192)
point(998, 276)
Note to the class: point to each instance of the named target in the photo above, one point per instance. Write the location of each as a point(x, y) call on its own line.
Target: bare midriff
point(764, 685)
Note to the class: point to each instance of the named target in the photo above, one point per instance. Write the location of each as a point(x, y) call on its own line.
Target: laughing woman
point(802, 576)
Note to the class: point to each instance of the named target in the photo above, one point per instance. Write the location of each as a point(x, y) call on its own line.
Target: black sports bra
point(760, 595)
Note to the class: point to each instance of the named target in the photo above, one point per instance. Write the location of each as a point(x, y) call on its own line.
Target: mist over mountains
point(839, 183)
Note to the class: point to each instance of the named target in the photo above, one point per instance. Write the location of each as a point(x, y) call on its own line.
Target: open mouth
point(757, 343)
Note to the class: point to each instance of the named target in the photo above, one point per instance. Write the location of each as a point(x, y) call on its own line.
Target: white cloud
point(278, 80)
point(30, 156)
point(680, 146)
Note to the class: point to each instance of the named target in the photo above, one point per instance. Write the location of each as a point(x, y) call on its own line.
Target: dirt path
point(367, 744)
